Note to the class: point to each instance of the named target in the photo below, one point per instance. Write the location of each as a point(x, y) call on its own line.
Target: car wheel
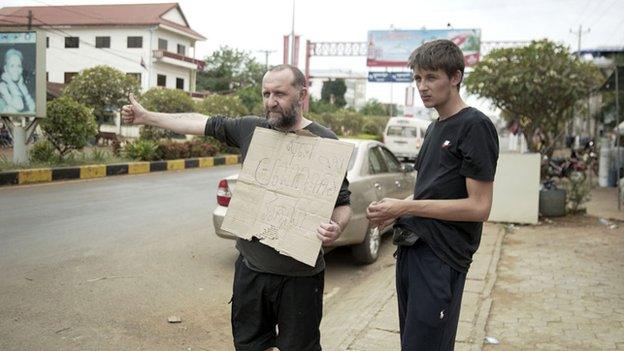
point(368, 251)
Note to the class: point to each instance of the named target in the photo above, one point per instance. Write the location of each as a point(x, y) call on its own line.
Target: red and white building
point(153, 42)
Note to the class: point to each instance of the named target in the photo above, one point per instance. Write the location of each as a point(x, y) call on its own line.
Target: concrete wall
point(516, 188)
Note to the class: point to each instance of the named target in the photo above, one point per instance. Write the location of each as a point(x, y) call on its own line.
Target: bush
point(69, 125)
point(225, 105)
point(43, 151)
point(578, 191)
point(171, 150)
point(167, 101)
point(144, 150)
point(198, 148)
point(103, 88)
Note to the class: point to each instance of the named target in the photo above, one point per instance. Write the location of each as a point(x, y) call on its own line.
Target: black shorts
point(271, 310)
point(429, 293)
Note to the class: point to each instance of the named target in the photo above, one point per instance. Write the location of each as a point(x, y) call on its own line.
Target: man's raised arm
point(181, 123)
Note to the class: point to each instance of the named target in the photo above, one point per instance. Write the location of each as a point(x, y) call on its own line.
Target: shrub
point(167, 101)
point(198, 148)
point(43, 151)
point(171, 150)
point(103, 88)
point(225, 105)
point(144, 150)
point(69, 125)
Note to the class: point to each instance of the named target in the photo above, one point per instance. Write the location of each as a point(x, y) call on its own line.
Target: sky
point(254, 25)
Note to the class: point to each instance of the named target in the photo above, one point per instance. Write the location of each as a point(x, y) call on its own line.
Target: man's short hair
point(438, 54)
point(299, 82)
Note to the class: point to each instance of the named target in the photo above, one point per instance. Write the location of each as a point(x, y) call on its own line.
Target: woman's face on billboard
point(13, 67)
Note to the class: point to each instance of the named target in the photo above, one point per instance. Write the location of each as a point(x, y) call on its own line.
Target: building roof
point(96, 15)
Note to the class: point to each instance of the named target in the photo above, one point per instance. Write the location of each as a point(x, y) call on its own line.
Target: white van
point(404, 136)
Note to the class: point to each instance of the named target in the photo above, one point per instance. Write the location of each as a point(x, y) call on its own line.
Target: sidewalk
point(379, 331)
point(560, 285)
point(554, 286)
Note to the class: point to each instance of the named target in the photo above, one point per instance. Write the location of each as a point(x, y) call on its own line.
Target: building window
point(180, 83)
point(162, 44)
point(135, 42)
point(102, 42)
point(161, 80)
point(136, 76)
point(69, 76)
point(72, 42)
point(47, 42)
point(181, 49)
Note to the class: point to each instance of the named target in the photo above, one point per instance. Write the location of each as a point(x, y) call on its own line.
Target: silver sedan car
point(374, 173)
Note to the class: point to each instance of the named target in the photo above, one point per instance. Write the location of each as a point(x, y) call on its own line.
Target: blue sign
point(390, 77)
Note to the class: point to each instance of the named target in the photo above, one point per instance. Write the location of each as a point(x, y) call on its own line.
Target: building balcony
point(175, 59)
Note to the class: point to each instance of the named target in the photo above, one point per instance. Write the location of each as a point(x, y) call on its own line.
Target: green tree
point(229, 69)
point(538, 84)
point(251, 98)
point(333, 92)
point(103, 88)
point(374, 108)
point(168, 101)
point(68, 125)
point(320, 106)
point(225, 105)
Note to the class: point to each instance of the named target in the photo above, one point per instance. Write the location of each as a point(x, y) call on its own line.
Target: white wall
point(172, 72)
point(516, 188)
point(172, 41)
point(60, 59)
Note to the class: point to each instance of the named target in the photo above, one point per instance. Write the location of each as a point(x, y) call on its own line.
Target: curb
point(483, 313)
point(45, 175)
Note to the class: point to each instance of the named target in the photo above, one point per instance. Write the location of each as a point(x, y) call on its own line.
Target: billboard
point(390, 77)
point(392, 48)
point(22, 73)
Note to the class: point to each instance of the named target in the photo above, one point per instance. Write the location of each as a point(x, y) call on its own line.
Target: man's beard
point(287, 119)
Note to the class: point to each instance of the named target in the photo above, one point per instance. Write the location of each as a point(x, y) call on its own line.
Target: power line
point(85, 42)
point(76, 12)
point(604, 12)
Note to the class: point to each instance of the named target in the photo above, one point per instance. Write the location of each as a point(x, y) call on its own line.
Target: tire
point(368, 251)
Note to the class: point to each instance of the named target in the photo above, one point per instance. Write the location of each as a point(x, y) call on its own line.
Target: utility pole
point(266, 58)
point(579, 34)
point(292, 38)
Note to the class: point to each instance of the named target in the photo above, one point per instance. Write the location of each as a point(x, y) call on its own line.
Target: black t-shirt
point(462, 146)
point(238, 132)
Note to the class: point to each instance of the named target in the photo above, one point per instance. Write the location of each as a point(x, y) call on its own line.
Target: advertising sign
point(22, 77)
point(392, 48)
point(390, 77)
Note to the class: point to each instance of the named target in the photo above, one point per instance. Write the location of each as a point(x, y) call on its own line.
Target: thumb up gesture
point(134, 113)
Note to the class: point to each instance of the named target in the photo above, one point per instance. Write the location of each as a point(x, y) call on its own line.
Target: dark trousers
point(429, 293)
point(270, 310)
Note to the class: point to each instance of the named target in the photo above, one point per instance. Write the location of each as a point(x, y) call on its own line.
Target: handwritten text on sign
point(287, 187)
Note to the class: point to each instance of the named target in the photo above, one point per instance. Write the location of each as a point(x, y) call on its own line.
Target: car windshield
point(402, 131)
point(352, 159)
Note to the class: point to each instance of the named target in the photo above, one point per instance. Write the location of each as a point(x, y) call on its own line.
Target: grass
point(77, 158)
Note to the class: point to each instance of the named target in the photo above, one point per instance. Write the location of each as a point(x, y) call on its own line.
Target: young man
point(439, 229)
point(270, 289)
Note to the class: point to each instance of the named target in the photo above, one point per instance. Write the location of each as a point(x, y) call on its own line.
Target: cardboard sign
point(288, 186)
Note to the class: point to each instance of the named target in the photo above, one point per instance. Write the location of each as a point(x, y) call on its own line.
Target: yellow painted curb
point(138, 167)
point(231, 160)
point(175, 165)
point(37, 175)
point(94, 171)
point(205, 162)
